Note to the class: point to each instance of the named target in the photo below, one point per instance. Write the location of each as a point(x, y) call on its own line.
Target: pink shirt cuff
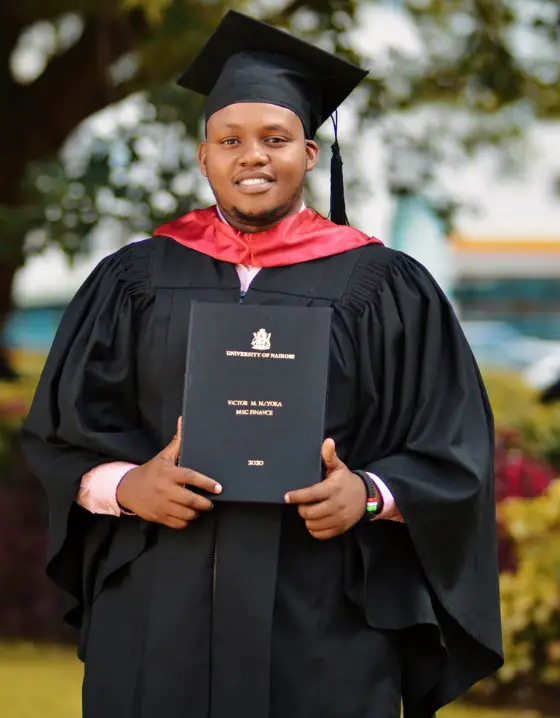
point(98, 490)
point(390, 509)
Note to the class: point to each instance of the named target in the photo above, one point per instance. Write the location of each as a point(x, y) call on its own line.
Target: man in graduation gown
point(312, 609)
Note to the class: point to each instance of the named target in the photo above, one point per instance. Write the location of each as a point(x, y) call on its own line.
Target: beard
point(264, 219)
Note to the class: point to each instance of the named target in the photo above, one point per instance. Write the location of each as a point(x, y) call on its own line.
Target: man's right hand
point(156, 491)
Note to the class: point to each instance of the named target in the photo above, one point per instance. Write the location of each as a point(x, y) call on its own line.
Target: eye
point(229, 141)
point(276, 140)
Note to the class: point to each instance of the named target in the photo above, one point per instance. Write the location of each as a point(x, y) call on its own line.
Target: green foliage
point(531, 596)
point(15, 400)
point(145, 172)
point(469, 64)
point(154, 9)
point(517, 409)
point(483, 66)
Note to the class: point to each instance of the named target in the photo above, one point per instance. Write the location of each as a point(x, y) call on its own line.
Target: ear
point(312, 154)
point(201, 157)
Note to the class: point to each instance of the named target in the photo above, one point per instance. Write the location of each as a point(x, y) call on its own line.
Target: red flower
point(517, 475)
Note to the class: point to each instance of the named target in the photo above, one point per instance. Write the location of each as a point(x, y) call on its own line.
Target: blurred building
point(515, 281)
point(42, 291)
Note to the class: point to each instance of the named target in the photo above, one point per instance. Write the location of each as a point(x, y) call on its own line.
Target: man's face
point(256, 158)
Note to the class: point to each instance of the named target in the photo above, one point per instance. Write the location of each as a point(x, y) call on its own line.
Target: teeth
point(254, 181)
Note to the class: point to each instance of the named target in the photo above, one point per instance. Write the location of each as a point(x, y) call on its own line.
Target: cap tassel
point(338, 203)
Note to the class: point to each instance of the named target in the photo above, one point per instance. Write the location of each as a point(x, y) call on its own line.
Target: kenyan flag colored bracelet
point(374, 502)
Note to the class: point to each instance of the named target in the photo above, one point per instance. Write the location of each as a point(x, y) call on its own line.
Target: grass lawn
point(45, 683)
point(39, 683)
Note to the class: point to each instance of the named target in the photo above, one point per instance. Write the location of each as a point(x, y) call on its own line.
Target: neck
point(249, 225)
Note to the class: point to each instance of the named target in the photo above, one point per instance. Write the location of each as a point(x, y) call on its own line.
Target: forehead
point(255, 115)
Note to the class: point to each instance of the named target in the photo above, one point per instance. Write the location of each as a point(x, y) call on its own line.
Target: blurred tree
point(62, 61)
point(487, 66)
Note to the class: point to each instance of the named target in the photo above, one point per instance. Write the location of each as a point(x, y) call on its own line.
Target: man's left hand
point(335, 504)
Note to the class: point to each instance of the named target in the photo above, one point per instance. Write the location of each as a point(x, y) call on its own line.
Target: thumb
point(330, 457)
point(172, 450)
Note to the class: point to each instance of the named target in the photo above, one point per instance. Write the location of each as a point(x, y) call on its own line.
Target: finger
point(173, 523)
point(310, 495)
point(189, 477)
point(330, 457)
point(327, 524)
point(316, 511)
point(188, 499)
point(183, 513)
point(324, 535)
point(171, 451)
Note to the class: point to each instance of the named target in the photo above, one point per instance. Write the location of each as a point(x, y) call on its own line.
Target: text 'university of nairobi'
point(259, 355)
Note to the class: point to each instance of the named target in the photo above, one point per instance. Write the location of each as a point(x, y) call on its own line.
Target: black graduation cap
point(247, 60)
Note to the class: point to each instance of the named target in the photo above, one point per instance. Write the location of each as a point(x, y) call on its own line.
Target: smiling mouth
point(254, 184)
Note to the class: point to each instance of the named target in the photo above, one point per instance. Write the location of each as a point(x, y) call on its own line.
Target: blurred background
point(452, 154)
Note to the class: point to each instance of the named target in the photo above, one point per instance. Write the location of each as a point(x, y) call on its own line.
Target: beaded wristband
point(374, 500)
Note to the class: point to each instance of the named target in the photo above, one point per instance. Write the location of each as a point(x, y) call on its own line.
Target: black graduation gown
point(244, 614)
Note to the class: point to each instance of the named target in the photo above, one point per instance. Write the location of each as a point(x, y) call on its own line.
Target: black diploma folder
point(255, 398)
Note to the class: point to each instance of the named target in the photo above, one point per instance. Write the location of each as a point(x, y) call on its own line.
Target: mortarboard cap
point(247, 60)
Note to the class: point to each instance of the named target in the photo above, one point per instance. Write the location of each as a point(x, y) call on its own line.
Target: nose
point(254, 155)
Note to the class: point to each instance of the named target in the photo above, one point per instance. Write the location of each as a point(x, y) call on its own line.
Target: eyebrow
point(270, 128)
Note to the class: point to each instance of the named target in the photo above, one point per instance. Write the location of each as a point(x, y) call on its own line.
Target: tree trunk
point(40, 116)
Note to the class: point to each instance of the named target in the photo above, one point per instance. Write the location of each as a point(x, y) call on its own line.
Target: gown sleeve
point(84, 414)
point(426, 429)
